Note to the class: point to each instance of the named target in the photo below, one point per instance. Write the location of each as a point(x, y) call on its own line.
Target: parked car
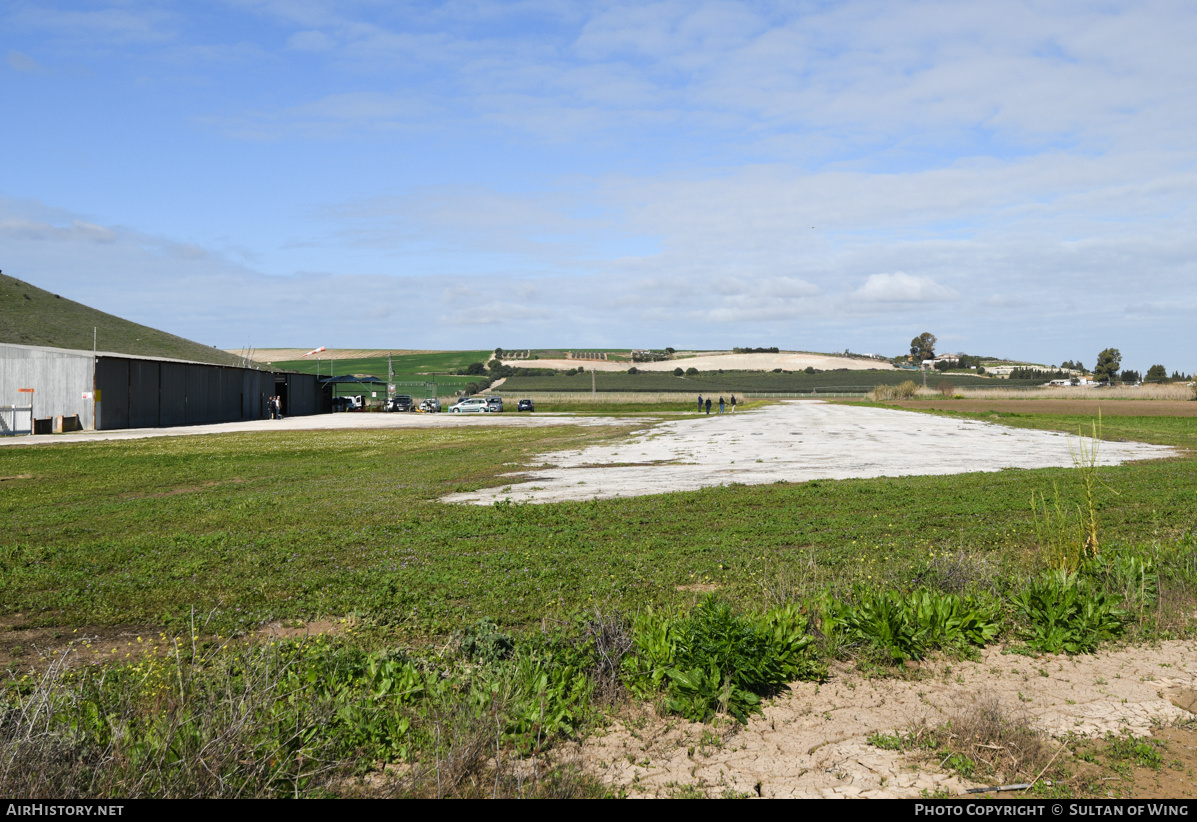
point(430, 406)
point(495, 403)
point(526, 405)
point(471, 405)
point(401, 402)
point(352, 403)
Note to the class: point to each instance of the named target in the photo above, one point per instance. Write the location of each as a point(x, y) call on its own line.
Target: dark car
point(401, 402)
point(525, 405)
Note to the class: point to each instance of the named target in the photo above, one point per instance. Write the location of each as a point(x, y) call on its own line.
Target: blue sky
point(1017, 178)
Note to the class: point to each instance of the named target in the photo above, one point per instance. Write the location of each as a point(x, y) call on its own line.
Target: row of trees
point(1109, 361)
point(1107, 370)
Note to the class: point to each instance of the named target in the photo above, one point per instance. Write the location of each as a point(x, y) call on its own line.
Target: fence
point(9, 419)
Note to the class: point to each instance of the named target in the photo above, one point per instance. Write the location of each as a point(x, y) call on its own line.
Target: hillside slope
point(32, 316)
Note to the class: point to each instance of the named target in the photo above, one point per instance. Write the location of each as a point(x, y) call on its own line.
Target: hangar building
point(107, 390)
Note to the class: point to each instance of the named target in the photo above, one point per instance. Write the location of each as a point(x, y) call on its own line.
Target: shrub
point(677, 372)
point(691, 372)
point(901, 391)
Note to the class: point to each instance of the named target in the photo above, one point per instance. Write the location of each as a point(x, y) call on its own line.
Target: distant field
point(745, 381)
point(423, 367)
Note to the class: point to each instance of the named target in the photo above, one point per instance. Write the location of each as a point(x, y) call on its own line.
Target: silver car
point(471, 405)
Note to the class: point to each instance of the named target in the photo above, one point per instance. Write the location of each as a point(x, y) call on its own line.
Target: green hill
point(32, 316)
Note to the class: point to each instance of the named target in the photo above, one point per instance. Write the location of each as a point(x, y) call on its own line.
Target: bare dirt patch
point(1174, 777)
point(23, 650)
point(297, 629)
point(814, 741)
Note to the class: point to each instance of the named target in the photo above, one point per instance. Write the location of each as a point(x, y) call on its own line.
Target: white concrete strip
point(327, 422)
point(795, 442)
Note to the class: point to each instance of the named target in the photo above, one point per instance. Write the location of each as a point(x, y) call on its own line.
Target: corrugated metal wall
point(145, 393)
point(58, 377)
point(149, 393)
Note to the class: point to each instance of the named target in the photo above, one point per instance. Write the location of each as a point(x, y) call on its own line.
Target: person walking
point(700, 403)
point(708, 405)
point(721, 405)
point(733, 403)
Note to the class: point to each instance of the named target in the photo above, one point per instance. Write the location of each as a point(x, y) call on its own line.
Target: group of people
point(707, 403)
point(275, 406)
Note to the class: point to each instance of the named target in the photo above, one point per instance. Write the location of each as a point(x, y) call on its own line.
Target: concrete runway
point(324, 422)
point(795, 442)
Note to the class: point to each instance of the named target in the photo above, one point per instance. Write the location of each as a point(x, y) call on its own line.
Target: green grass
point(32, 316)
point(273, 525)
point(1175, 431)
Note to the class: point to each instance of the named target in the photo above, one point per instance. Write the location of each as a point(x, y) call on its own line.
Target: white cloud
point(96, 28)
point(23, 62)
point(316, 41)
point(901, 287)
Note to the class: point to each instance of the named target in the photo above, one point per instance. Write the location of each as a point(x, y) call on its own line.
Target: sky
point(1017, 178)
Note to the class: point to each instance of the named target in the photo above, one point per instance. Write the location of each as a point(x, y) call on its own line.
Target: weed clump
point(983, 740)
point(1065, 611)
point(906, 626)
point(714, 660)
point(484, 643)
point(959, 573)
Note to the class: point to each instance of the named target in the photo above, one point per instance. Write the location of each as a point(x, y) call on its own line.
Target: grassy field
point(33, 316)
point(298, 525)
point(479, 637)
point(1163, 422)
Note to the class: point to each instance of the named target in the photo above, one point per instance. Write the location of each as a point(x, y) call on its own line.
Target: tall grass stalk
point(1066, 537)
